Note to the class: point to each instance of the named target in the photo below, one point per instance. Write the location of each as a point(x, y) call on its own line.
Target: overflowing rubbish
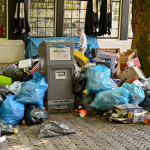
point(97, 79)
point(35, 115)
point(34, 94)
point(104, 100)
point(11, 112)
point(53, 128)
point(136, 93)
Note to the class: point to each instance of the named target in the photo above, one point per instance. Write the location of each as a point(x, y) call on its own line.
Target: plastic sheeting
point(136, 93)
point(32, 92)
point(98, 79)
point(11, 112)
point(104, 100)
point(53, 128)
point(32, 50)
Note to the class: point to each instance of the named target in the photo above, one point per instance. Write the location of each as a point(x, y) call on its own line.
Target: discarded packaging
point(26, 63)
point(138, 117)
point(80, 58)
point(147, 118)
point(126, 56)
point(3, 138)
point(131, 74)
point(133, 62)
point(15, 87)
point(53, 128)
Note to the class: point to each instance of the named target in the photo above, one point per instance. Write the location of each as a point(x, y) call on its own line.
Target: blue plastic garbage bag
point(97, 79)
point(11, 112)
point(32, 92)
point(104, 100)
point(136, 93)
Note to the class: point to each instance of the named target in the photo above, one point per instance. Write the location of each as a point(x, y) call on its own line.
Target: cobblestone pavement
point(92, 133)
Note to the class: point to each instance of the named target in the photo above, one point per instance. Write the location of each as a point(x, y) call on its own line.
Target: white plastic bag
point(15, 87)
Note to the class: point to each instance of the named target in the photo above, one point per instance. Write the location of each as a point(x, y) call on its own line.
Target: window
point(130, 33)
point(74, 16)
point(42, 19)
point(115, 20)
point(2, 18)
point(75, 12)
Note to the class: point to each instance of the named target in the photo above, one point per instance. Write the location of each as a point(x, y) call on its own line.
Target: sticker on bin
point(60, 74)
point(60, 53)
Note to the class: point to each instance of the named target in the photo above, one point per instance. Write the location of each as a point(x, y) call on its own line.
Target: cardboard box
point(128, 75)
point(130, 109)
point(126, 56)
point(26, 63)
point(80, 58)
point(130, 63)
point(111, 56)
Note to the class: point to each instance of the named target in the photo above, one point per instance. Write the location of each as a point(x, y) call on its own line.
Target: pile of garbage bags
point(98, 93)
point(23, 98)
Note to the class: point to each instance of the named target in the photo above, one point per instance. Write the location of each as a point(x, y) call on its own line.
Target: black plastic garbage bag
point(5, 128)
point(85, 101)
point(35, 115)
point(21, 75)
point(3, 93)
point(146, 103)
point(9, 70)
point(79, 83)
point(53, 128)
point(16, 73)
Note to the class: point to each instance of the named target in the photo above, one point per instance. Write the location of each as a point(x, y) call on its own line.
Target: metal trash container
point(57, 65)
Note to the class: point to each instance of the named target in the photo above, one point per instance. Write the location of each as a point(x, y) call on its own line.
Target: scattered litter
point(3, 138)
point(53, 128)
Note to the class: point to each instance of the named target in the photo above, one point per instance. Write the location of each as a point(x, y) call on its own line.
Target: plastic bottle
point(82, 113)
point(3, 138)
point(5, 80)
point(15, 130)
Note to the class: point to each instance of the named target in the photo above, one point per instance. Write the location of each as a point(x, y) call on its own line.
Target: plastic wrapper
point(3, 93)
point(104, 100)
point(53, 128)
point(35, 115)
point(11, 112)
point(98, 79)
point(136, 93)
point(32, 92)
point(15, 87)
point(85, 101)
point(5, 128)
